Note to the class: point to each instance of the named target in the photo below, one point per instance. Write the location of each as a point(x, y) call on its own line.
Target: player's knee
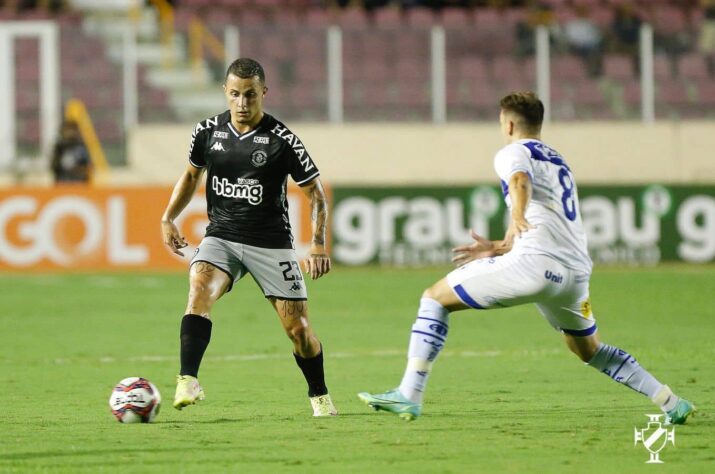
point(440, 293)
point(200, 293)
point(431, 293)
point(299, 333)
point(582, 350)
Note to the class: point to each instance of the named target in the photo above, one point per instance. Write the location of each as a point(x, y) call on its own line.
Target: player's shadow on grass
point(208, 421)
point(34, 455)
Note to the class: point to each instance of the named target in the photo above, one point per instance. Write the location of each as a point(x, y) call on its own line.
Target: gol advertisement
point(83, 228)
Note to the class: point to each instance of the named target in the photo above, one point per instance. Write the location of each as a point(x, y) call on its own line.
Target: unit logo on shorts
point(586, 309)
point(259, 158)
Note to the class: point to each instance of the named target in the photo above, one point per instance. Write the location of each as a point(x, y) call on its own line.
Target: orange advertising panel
point(80, 227)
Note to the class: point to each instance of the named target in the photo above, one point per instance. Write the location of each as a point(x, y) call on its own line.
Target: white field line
point(332, 355)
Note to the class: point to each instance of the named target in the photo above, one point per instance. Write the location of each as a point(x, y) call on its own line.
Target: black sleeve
point(197, 150)
point(300, 165)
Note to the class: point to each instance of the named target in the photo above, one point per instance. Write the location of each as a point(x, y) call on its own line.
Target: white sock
point(429, 334)
point(665, 399)
point(623, 368)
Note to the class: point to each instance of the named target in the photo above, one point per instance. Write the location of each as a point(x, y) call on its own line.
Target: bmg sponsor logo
point(249, 189)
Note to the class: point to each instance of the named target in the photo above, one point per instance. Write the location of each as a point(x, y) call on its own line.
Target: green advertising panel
point(408, 226)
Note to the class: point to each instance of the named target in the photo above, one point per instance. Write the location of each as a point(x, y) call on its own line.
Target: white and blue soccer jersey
point(554, 207)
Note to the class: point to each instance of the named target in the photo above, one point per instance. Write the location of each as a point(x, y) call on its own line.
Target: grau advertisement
point(412, 226)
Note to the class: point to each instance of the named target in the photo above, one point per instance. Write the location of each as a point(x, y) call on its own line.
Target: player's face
point(245, 98)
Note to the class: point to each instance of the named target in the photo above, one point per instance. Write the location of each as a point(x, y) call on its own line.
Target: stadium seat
point(632, 93)
point(413, 94)
point(668, 20)
point(588, 93)
point(318, 17)
point(505, 68)
point(662, 67)
point(311, 70)
point(618, 66)
point(706, 93)
point(456, 18)
point(672, 93)
point(420, 17)
point(693, 66)
point(412, 43)
point(602, 16)
point(407, 69)
point(388, 18)
point(568, 67)
point(472, 68)
point(353, 19)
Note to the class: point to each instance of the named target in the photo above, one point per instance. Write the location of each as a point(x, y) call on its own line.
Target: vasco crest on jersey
point(259, 158)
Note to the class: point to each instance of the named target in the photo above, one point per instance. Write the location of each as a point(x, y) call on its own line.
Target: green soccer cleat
point(188, 391)
point(394, 402)
point(678, 415)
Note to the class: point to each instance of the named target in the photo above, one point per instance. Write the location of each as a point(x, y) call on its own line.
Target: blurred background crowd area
point(386, 50)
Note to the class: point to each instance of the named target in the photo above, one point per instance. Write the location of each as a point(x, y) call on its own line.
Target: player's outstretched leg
point(308, 353)
point(623, 368)
point(429, 334)
point(195, 337)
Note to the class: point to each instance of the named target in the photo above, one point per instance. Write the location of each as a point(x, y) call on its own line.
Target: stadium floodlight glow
point(47, 33)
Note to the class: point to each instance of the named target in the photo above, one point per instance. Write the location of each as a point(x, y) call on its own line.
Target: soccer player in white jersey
point(543, 259)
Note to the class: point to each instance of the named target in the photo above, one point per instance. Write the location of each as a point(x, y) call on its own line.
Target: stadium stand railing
point(386, 55)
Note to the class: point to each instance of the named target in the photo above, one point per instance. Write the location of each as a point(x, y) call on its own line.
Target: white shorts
point(560, 293)
point(276, 271)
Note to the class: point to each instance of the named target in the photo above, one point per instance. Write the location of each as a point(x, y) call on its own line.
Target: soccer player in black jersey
point(248, 156)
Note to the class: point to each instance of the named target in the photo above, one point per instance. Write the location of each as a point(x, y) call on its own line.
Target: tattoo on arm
point(319, 214)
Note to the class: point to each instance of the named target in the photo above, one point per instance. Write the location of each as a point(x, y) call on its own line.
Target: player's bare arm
point(520, 192)
point(318, 261)
point(180, 198)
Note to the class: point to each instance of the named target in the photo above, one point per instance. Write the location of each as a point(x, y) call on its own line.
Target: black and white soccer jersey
point(246, 179)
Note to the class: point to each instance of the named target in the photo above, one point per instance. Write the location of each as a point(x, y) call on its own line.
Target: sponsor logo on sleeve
point(297, 146)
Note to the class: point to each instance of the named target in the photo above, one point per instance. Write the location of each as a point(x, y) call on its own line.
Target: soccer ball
point(135, 400)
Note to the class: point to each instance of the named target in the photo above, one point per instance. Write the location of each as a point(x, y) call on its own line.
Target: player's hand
point(318, 262)
point(481, 248)
point(172, 237)
point(516, 228)
point(519, 226)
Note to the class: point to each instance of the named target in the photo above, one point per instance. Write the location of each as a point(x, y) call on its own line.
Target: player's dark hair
point(246, 68)
point(526, 105)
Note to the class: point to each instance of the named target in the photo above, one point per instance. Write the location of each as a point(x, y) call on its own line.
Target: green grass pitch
point(505, 395)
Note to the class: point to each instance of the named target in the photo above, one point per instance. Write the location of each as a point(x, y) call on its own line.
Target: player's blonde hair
point(527, 106)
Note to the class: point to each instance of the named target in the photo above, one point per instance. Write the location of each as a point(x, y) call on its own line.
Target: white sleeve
point(511, 159)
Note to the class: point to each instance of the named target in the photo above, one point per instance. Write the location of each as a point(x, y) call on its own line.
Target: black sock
point(313, 372)
point(195, 336)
